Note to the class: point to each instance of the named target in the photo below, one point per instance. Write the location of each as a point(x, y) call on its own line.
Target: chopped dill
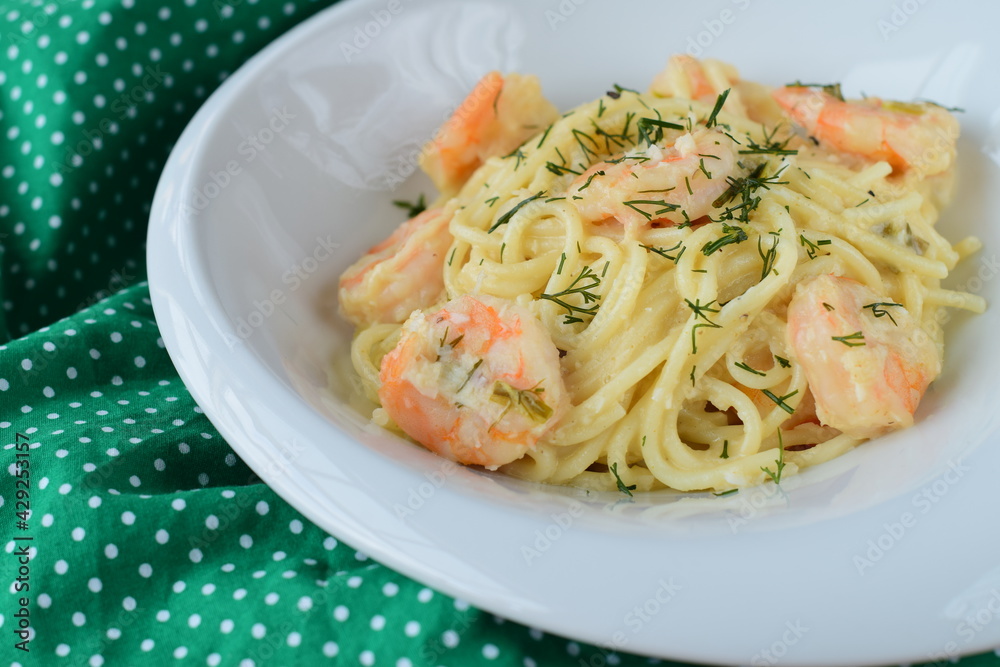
point(583, 285)
point(851, 339)
point(779, 464)
point(780, 400)
point(506, 217)
point(413, 209)
point(740, 364)
point(731, 234)
point(627, 490)
point(662, 252)
point(720, 100)
point(663, 207)
point(812, 248)
point(767, 258)
point(591, 178)
point(879, 309)
point(699, 311)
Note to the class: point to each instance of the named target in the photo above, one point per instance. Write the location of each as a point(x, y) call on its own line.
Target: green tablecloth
point(148, 540)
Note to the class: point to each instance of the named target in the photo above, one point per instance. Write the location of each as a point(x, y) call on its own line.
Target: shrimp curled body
point(867, 361)
point(907, 135)
point(371, 290)
point(478, 381)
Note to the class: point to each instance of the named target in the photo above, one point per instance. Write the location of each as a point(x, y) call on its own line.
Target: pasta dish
point(704, 286)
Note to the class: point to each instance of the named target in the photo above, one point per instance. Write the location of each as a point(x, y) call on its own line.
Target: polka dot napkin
point(148, 541)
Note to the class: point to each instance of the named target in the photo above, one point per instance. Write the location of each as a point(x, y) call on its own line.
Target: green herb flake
point(856, 339)
point(627, 490)
point(780, 400)
point(506, 217)
point(779, 464)
point(879, 309)
point(413, 209)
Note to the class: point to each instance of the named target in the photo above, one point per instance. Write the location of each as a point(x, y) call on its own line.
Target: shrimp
point(478, 381)
point(908, 136)
point(866, 359)
point(399, 275)
point(659, 185)
point(497, 116)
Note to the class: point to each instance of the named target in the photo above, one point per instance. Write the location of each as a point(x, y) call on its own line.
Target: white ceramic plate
point(286, 175)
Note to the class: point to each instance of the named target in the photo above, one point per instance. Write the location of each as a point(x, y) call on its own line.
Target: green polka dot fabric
point(133, 534)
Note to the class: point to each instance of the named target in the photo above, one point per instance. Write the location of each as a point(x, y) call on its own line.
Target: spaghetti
point(701, 287)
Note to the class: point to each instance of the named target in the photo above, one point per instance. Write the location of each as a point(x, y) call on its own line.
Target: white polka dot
point(128, 518)
point(208, 589)
point(239, 593)
point(61, 566)
point(195, 555)
point(179, 586)
point(411, 629)
point(180, 652)
point(425, 595)
point(140, 362)
point(62, 650)
point(271, 598)
point(305, 603)
point(147, 645)
point(450, 638)
point(490, 652)
point(178, 504)
point(341, 613)
point(44, 601)
point(258, 631)
point(162, 536)
point(213, 660)
point(330, 649)
point(111, 551)
point(378, 622)
point(128, 603)
point(390, 589)
point(262, 508)
point(194, 620)
point(294, 639)
point(211, 522)
point(367, 658)
point(295, 526)
point(246, 541)
point(226, 626)
point(78, 534)
point(94, 502)
point(95, 585)
point(163, 616)
point(146, 570)
point(79, 619)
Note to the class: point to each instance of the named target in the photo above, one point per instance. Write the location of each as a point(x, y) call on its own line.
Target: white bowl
point(287, 174)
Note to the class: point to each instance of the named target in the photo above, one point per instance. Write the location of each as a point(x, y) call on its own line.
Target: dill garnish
point(849, 340)
point(879, 309)
point(731, 234)
point(627, 490)
point(582, 285)
point(506, 217)
point(413, 209)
